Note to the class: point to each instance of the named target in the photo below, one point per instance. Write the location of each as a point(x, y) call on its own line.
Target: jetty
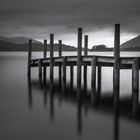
point(96, 63)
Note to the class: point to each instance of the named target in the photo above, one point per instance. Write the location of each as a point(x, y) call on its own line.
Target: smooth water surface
point(30, 112)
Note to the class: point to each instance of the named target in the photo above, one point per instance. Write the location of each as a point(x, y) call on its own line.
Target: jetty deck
point(96, 63)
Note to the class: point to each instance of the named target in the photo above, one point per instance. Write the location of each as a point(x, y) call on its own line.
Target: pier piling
point(116, 71)
point(29, 57)
point(135, 85)
point(44, 56)
point(51, 56)
point(79, 53)
point(60, 55)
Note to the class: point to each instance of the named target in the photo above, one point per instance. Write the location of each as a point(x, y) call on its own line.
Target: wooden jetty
point(85, 60)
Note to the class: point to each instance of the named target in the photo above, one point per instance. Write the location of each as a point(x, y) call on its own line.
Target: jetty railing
point(85, 60)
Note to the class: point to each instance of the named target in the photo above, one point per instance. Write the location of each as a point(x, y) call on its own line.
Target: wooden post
point(93, 78)
point(99, 82)
point(135, 85)
point(51, 56)
point(86, 45)
point(64, 74)
point(60, 55)
point(85, 67)
point(116, 74)
point(29, 57)
point(40, 71)
point(79, 59)
point(44, 56)
point(60, 48)
point(45, 49)
point(71, 77)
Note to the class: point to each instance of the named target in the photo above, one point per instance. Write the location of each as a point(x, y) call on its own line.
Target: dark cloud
point(20, 15)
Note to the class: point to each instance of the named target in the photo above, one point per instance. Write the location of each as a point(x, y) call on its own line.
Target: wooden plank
point(135, 85)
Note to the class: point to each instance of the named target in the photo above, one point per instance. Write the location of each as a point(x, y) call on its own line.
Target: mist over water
point(29, 111)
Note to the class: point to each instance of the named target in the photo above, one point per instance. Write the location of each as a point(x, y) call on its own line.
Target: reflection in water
point(51, 100)
point(30, 91)
point(79, 115)
point(116, 123)
point(83, 103)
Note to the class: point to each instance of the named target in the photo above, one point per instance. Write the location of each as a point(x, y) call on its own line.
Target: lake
point(29, 111)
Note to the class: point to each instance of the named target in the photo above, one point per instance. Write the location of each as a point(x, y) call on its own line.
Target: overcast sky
point(38, 18)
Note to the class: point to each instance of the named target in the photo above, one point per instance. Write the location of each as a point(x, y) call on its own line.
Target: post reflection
point(30, 92)
point(116, 123)
point(79, 116)
point(51, 100)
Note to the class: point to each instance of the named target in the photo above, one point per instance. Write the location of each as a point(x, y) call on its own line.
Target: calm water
point(31, 112)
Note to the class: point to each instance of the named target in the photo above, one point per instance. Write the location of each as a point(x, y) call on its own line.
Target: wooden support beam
point(135, 85)
point(44, 56)
point(71, 77)
point(29, 57)
point(116, 72)
point(93, 78)
point(64, 74)
point(99, 82)
point(60, 54)
point(85, 45)
point(85, 67)
point(40, 71)
point(51, 55)
point(85, 78)
point(45, 49)
point(60, 48)
point(79, 53)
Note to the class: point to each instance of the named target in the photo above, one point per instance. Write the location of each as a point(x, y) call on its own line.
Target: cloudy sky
point(39, 18)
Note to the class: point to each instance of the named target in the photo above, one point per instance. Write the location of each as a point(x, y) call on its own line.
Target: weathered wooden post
point(40, 71)
point(116, 73)
point(135, 85)
point(45, 49)
point(64, 75)
point(44, 56)
point(79, 53)
point(29, 57)
point(71, 77)
point(86, 45)
point(51, 56)
point(99, 82)
point(93, 78)
point(60, 55)
point(85, 67)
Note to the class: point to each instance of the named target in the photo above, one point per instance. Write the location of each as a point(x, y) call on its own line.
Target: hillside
point(133, 44)
point(20, 44)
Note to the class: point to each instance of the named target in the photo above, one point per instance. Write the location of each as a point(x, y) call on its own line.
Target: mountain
point(133, 44)
point(21, 44)
point(18, 40)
